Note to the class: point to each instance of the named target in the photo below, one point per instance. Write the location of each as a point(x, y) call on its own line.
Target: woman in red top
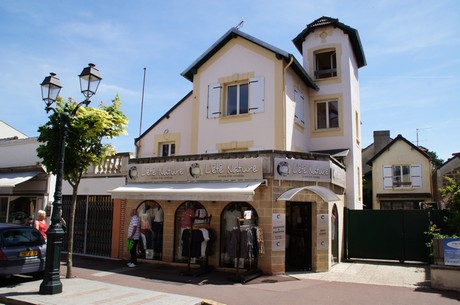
point(40, 223)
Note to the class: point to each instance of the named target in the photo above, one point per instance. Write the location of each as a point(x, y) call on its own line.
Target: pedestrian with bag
point(133, 237)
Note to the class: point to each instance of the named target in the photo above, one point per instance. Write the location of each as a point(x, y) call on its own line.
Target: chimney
point(381, 139)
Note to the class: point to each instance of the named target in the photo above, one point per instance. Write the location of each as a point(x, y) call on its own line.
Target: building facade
point(263, 147)
point(401, 176)
point(25, 187)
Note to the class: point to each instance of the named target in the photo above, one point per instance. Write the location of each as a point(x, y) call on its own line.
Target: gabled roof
point(454, 156)
point(328, 21)
point(165, 116)
point(398, 138)
point(234, 33)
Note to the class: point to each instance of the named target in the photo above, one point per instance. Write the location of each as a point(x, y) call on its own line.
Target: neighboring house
point(260, 135)
point(9, 132)
point(25, 187)
point(451, 169)
point(381, 139)
point(401, 176)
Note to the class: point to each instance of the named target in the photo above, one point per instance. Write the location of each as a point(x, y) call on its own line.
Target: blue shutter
point(256, 95)
point(214, 101)
point(299, 103)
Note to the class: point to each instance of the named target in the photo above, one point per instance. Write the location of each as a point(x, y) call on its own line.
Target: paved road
point(268, 290)
point(102, 281)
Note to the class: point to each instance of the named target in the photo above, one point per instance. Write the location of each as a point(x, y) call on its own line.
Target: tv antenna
point(240, 25)
point(418, 129)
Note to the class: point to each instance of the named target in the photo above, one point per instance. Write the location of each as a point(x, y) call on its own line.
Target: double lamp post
point(51, 86)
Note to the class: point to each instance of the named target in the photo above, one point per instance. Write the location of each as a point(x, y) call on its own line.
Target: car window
point(21, 237)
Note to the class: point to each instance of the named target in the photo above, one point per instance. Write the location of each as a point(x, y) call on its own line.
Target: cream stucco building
point(401, 176)
point(261, 135)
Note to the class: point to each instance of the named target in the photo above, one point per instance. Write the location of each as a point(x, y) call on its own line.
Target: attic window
point(326, 64)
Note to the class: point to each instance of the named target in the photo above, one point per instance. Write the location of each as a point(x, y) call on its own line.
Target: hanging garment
point(260, 240)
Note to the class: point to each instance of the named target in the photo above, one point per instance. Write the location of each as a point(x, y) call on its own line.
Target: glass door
point(298, 239)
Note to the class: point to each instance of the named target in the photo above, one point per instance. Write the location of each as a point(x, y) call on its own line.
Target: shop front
point(239, 212)
point(23, 191)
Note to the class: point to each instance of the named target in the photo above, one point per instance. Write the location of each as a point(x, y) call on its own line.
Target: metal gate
point(93, 224)
point(390, 234)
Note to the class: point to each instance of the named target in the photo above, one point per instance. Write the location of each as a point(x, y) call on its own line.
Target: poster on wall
point(452, 251)
point(279, 232)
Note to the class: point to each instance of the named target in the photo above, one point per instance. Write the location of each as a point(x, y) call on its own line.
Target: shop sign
point(279, 232)
point(192, 171)
point(302, 170)
point(452, 251)
point(322, 232)
point(338, 176)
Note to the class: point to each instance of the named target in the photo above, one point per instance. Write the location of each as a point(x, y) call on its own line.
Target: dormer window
point(326, 64)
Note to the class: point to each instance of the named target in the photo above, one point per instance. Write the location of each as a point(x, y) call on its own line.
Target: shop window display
point(151, 216)
point(242, 239)
point(193, 238)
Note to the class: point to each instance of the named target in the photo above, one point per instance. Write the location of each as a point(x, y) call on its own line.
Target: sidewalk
point(82, 291)
point(91, 291)
point(372, 272)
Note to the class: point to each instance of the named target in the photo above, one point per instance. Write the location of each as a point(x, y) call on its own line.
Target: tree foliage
point(451, 199)
point(437, 162)
point(87, 127)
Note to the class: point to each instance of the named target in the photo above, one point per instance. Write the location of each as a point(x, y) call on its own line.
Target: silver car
point(22, 250)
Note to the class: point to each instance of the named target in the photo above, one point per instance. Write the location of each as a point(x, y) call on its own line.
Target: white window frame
point(412, 180)
point(170, 146)
point(236, 101)
point(327, 114)
point(217, 101)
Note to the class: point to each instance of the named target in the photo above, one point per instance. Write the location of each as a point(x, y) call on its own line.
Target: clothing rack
point(198, 223)
point(253, 272)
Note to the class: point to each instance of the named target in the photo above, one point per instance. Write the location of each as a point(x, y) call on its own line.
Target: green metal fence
point(390, 234)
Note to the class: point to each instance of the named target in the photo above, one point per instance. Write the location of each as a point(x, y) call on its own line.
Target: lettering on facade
point(279, 232)
point(190, 171)
point(302, 170)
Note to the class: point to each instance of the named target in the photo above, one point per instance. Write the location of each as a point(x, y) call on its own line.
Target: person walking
point(133, 235)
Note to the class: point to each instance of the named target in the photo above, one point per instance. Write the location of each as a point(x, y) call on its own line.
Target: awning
point(213, 191)
point(325, 193)
point(14, 178)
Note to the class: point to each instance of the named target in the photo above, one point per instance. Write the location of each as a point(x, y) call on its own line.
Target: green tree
point(84, 147)
point(437, 162)
point(451, 198)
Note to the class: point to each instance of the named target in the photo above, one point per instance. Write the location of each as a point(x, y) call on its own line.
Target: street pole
point(51, 278)
point(51, 86)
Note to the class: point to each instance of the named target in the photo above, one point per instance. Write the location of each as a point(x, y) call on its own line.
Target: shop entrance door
point(298, 230)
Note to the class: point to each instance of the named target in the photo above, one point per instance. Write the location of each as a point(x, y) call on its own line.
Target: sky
point(408, 87)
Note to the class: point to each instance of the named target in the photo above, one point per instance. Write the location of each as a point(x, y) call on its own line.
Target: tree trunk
point(70, 230)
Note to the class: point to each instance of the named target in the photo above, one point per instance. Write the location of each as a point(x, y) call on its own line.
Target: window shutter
point(214, 101)
point(416, 175)
point(299, 103)
point(256, 95)
point(387, 177)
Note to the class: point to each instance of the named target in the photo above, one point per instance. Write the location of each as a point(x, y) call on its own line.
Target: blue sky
point(410, 83)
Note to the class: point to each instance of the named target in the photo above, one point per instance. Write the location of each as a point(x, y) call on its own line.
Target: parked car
point(22, 250)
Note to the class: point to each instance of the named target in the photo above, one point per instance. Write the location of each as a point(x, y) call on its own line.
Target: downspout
point(284, 99)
